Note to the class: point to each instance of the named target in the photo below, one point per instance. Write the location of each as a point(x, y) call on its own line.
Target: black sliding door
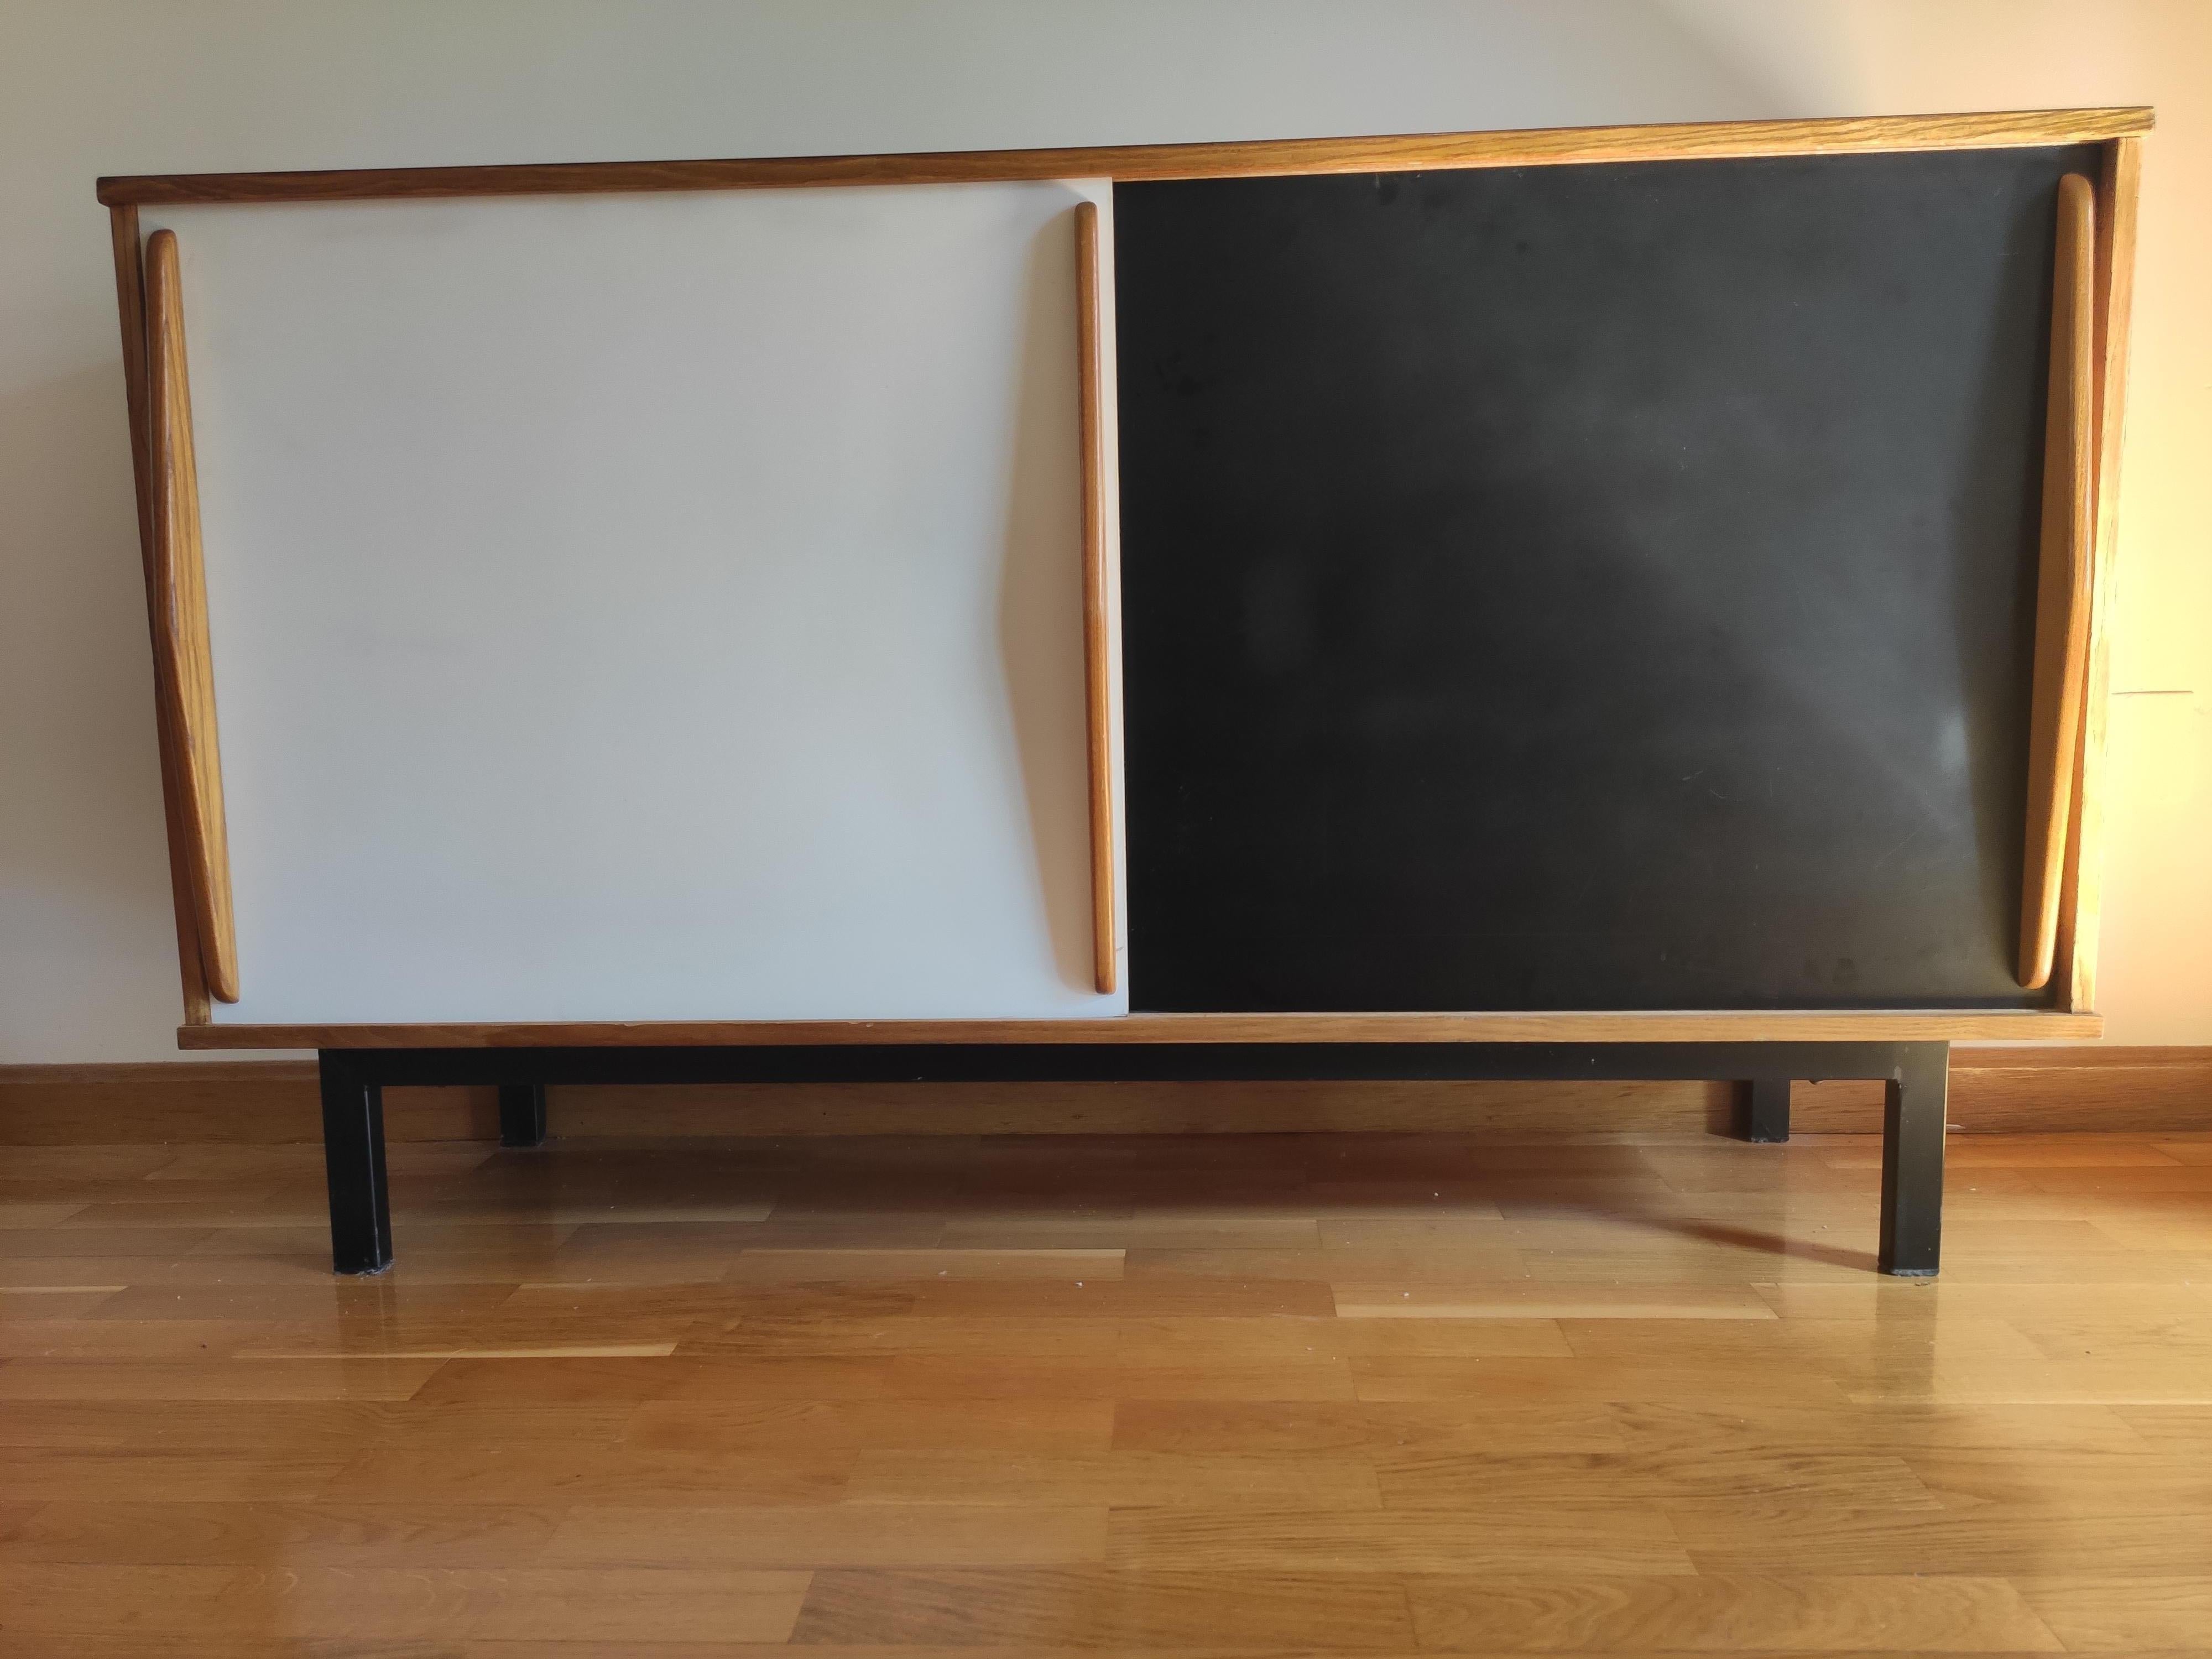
point(1582, 587)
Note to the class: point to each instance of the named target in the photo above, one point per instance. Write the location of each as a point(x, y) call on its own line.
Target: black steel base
point(522, 1114)
point(1913, 1161)
point(1912, 1137)
point(353, 1161)
point(1765, 1115)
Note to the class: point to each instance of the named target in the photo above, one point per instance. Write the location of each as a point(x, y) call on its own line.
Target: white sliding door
point(648, 607)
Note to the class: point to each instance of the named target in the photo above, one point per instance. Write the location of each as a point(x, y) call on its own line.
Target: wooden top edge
point(1788, 1025)
point(1378, 154)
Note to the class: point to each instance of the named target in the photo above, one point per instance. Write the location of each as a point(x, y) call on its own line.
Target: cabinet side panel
point(131, 313)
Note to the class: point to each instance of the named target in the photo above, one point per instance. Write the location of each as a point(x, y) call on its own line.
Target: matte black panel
point(1582, 587)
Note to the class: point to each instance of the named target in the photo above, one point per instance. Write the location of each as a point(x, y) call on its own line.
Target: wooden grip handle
point(2061, 595)
point(184, 666)
point(1090, 383)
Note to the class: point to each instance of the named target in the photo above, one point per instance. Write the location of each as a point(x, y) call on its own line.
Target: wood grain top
point(1396, 153)
point(1758, 1025)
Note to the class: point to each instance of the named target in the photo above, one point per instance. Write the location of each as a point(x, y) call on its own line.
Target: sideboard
point(1608, 602)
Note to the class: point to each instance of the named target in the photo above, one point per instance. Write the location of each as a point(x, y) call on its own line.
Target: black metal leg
point(1912, 1153)
point(1767, 1110)
point(353, 1158)
point(1912, 1162)
point(522, 1114)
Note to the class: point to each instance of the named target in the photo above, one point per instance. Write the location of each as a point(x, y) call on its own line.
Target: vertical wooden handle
point(184, 664)
point(1090, 384)
point(2061, 594)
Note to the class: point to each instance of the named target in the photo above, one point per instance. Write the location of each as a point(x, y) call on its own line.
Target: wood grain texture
point(265, 1101)
point(1903, 1025)
point(2082, 908)
point(181, 653)
point(131, 310)
point(1897, 1613)
point(2091, 1613)
point(1392, 154)
point(2062, 587)
point(1727, 1435)
point(1097, 688)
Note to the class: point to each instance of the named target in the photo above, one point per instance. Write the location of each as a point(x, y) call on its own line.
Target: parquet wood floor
point(1145, 1396)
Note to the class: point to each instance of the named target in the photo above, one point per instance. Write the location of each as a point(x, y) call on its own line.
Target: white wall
point(86, 87)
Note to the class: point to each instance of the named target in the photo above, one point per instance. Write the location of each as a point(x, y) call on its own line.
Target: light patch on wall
point(2159, 743)
point(2155, 965)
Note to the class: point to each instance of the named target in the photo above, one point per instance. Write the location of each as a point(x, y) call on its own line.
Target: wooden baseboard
point(1993, 1091)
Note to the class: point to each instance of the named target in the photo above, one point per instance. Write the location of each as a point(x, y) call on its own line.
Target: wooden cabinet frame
point(191, 776)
